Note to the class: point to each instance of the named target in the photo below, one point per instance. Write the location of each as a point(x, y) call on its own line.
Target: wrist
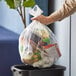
point(50, 19)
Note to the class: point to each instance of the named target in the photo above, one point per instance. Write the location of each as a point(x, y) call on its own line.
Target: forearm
point(67, 9)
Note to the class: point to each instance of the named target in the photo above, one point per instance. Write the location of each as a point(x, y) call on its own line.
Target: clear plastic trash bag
point(37, 44)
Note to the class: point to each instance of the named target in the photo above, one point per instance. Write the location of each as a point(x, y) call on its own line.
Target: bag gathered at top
point(37, 44)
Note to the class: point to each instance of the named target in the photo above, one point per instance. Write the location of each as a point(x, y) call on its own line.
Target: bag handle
point(36, 11)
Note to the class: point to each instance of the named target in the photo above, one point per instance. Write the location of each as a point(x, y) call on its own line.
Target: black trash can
point(26, 70)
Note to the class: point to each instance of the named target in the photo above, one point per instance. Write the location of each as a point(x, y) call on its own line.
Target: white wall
point(10, 18)
point(73, 45)
point(62, 33)
point(62, 29)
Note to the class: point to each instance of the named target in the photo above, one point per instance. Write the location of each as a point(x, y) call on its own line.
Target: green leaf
point(29, 3)
point(10, 3)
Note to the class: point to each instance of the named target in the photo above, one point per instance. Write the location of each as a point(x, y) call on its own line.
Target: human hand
point(42, 19)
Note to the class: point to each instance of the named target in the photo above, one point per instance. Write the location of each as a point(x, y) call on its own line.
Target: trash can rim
point(58, 67)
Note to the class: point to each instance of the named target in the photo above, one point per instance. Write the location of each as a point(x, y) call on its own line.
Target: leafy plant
point(20, 5)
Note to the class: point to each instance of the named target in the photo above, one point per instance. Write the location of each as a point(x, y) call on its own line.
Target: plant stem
point(21, 17)
point(21, 12)
point(24, 16)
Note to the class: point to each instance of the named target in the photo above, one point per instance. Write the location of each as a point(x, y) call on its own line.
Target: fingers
point(42, 19)
point(37, 18)
point(34, 18)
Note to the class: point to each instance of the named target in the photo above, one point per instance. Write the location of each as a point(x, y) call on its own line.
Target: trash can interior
point(28, 67)
point(27, 70)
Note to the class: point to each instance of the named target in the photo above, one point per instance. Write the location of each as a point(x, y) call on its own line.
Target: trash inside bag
point(37, 44)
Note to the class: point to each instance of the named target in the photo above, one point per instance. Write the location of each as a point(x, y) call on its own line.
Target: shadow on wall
point(9, 54)
point(51, 8)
